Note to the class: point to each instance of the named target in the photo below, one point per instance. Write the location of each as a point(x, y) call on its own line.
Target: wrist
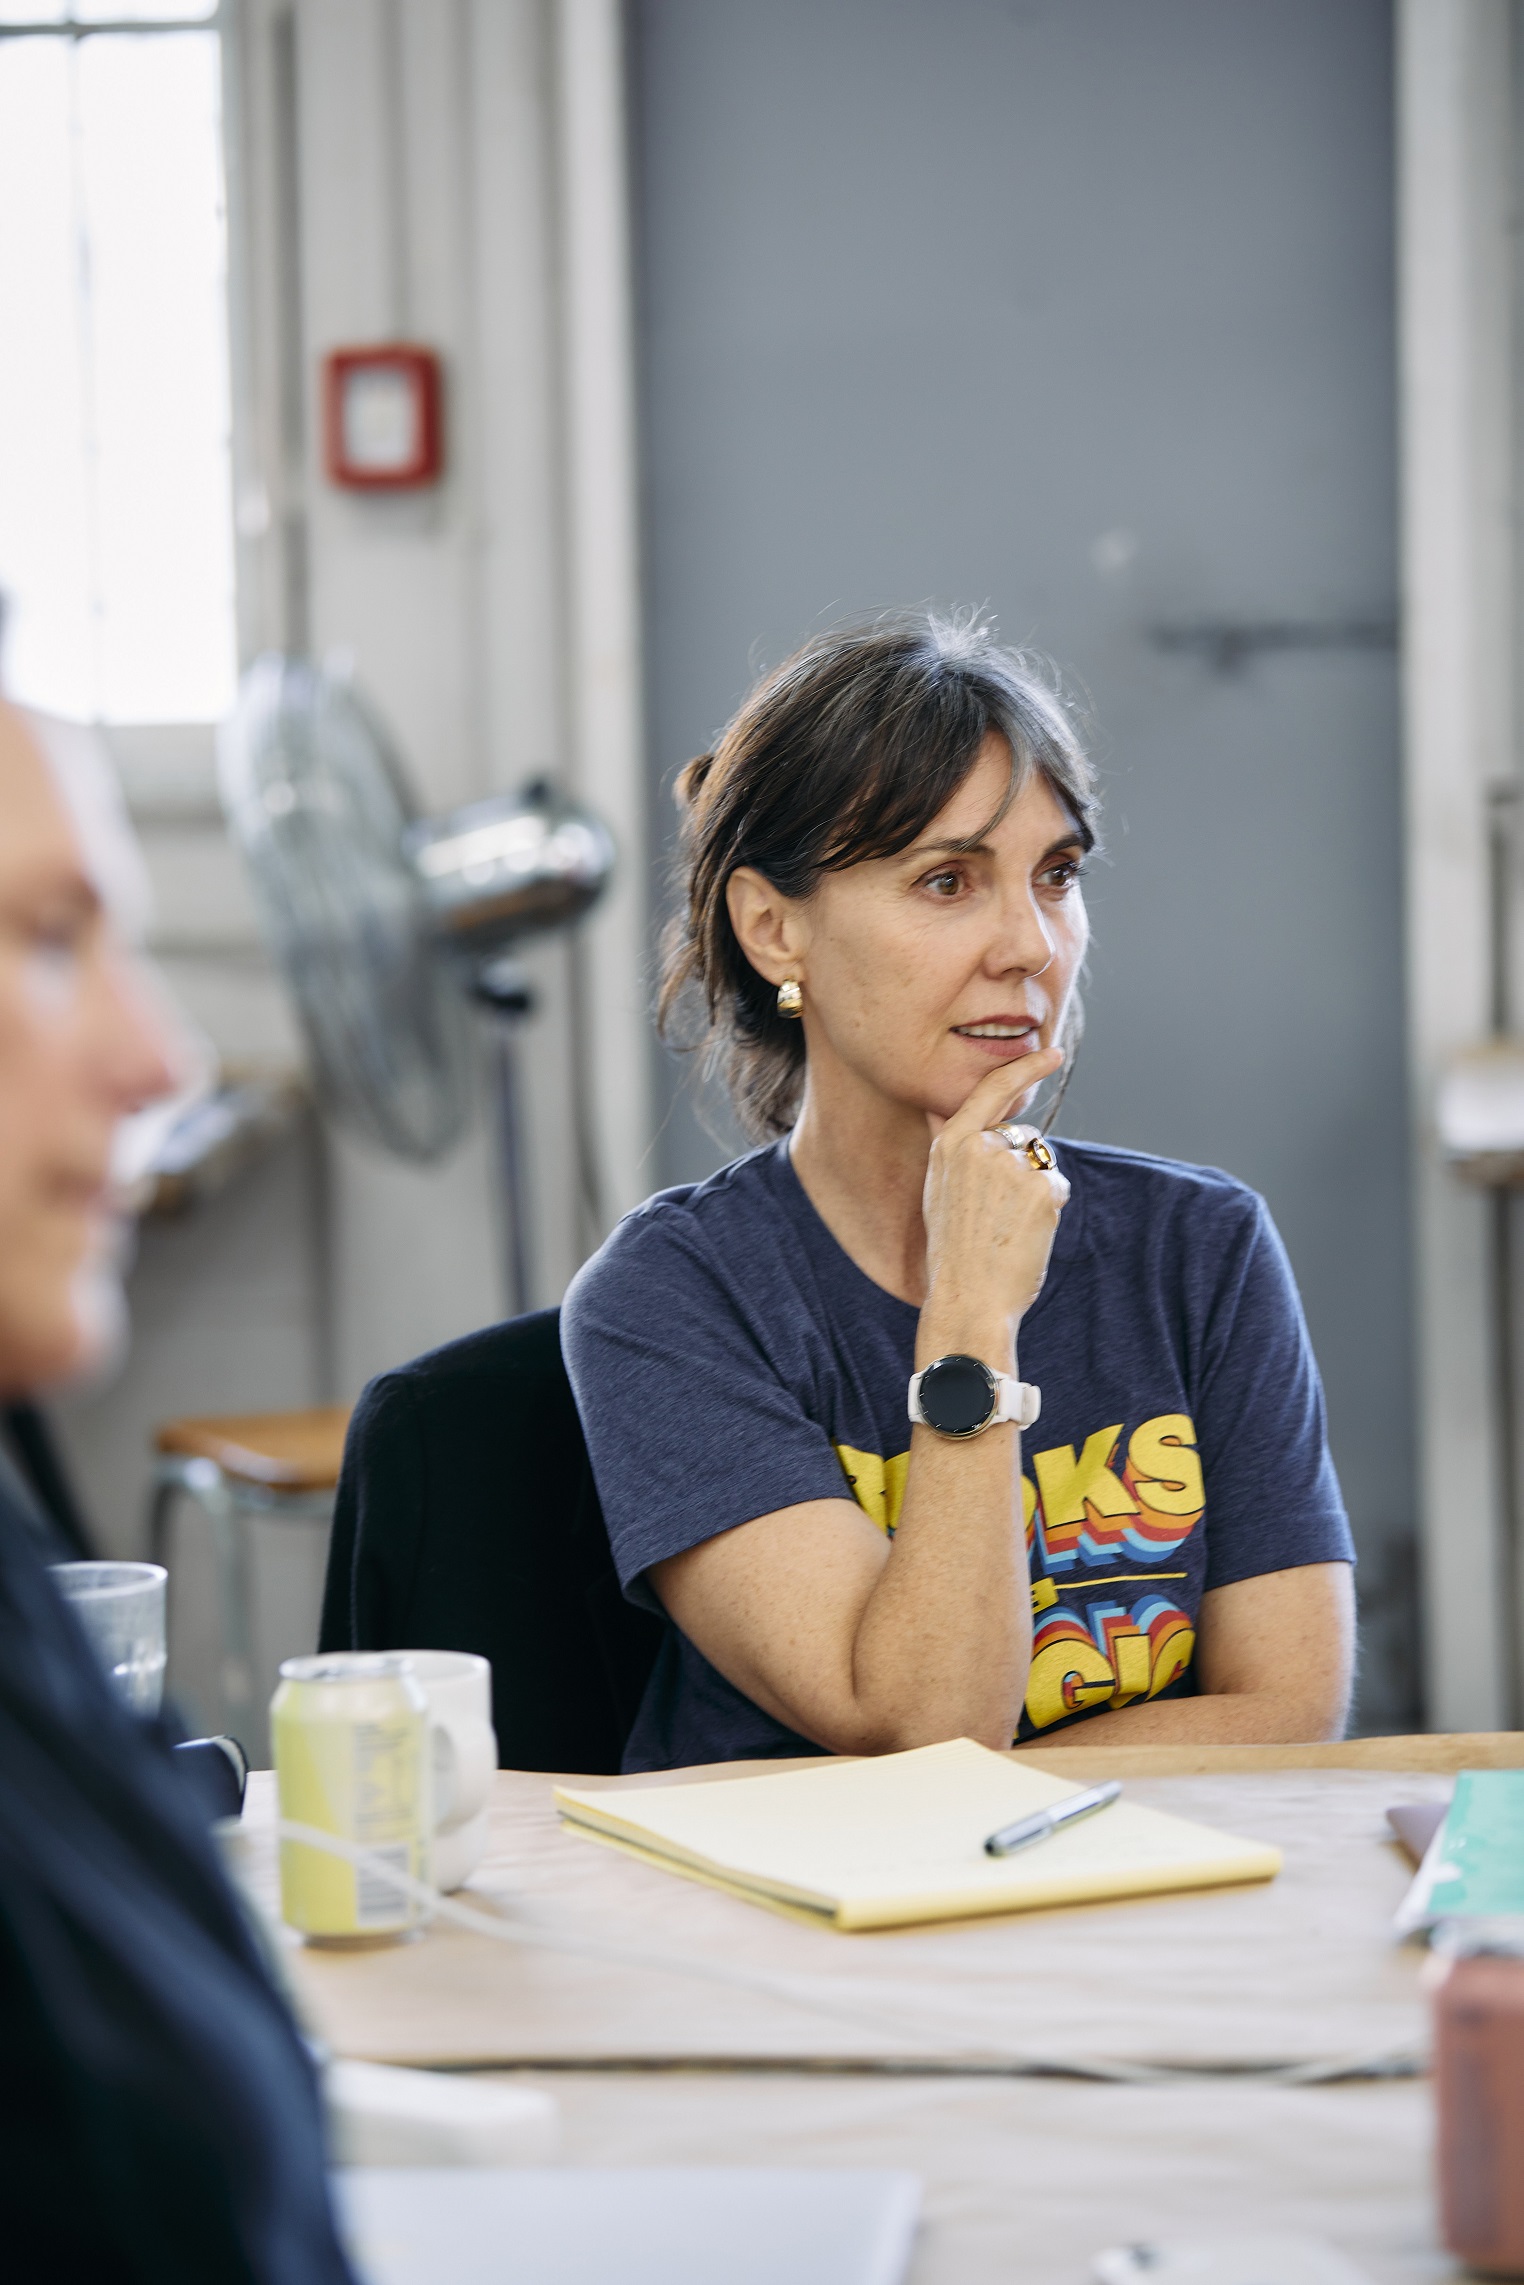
point(988, 1334)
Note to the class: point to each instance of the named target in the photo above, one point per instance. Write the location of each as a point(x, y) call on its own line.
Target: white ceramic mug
point(458, 1686)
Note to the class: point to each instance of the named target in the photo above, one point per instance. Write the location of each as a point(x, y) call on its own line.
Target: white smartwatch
point(960, 1396)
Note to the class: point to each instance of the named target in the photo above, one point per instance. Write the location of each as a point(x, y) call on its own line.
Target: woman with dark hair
point(799, 1380)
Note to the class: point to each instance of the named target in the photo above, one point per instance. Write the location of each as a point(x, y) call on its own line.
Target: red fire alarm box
point(381, 417)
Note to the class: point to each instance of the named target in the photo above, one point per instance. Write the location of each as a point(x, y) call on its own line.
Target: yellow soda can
point(351, 1757)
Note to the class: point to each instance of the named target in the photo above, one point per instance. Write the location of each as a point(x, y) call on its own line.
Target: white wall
point(459, 181)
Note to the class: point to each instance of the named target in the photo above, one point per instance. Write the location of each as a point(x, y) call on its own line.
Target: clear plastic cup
point(121, 1608)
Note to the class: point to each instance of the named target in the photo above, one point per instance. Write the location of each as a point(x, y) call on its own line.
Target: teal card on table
point(1474, 1867)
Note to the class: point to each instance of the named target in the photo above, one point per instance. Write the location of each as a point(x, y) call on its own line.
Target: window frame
point(169, 769)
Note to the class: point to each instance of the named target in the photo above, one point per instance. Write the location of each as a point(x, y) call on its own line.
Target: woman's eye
point(1064, 874)
point(51, 964)
point(943, 885)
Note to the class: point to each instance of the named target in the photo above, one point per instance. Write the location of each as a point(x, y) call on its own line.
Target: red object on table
point(1479, 2088)
point(382, 424)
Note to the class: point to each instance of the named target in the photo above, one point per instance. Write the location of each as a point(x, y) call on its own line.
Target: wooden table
point(935, 2048)
point(1025, 2180)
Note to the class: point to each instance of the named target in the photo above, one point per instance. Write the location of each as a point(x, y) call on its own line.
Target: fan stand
point(503, 990)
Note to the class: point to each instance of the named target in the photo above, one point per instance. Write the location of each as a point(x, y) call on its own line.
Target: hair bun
point(690, 780)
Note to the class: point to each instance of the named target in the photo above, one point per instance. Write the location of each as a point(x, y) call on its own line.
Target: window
point(116, 542)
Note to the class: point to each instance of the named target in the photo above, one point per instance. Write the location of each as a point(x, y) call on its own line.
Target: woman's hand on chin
point(990, 1219)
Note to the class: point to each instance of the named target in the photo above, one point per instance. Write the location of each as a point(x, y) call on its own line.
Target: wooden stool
point(233, 1465)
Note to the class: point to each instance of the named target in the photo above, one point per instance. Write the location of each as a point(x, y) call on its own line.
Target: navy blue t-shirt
point(729, 1358)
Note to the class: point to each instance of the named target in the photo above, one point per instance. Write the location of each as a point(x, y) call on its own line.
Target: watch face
point(957, 1395)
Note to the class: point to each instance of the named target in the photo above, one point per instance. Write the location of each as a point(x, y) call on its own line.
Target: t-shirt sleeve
point(690, 1427)
point(1273, 1499)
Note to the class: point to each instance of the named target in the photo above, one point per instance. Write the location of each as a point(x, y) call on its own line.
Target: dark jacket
point(159, 2115)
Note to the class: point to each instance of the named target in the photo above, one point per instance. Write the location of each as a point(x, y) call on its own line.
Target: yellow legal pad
point(880, 1843)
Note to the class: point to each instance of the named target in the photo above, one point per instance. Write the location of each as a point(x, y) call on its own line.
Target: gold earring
point(791, 997)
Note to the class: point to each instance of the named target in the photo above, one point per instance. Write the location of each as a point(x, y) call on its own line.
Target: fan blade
point(318, 806)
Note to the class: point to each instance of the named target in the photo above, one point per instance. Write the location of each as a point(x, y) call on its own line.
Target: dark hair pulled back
point(845, 752)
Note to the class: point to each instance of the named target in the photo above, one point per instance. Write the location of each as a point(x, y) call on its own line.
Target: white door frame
point(1457, 192)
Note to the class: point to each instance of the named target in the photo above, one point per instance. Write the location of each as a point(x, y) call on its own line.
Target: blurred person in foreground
point(159, 2116)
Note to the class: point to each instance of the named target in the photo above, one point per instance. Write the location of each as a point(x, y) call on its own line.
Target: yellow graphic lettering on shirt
point(1068, 1673)
point(878, 1485)
point(1130, 1663)
point(1074, 1491)
point(1172, 1642)
point(1069, 1485)
point(1044, 1595)
point(1090, 1511)
point(1113, 1655)
point(1164, 1469)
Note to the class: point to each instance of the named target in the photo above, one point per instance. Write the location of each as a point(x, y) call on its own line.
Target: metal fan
point(388, 925)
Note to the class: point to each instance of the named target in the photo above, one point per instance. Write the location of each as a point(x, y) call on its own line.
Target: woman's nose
point(1023, 943)
point(145, 1057)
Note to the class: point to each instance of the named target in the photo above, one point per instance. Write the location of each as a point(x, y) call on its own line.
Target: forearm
point(1262, 1717)
point(942, 1644)
point(1275, 1662)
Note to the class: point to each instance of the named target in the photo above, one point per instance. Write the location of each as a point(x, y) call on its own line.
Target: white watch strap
point(1020, 1401)
point(1016, 1400)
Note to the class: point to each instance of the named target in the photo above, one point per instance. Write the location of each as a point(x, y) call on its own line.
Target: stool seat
point(280, 1451)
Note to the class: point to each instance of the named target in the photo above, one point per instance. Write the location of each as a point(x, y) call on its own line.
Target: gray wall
point(1082, 309)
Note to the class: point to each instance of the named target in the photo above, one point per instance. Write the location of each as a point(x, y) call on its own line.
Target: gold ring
point(1031, 1146)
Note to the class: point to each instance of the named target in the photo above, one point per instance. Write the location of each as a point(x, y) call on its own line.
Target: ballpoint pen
point(1037, 1827)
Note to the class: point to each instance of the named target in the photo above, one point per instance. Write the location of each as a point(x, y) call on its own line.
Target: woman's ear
point(770, 928)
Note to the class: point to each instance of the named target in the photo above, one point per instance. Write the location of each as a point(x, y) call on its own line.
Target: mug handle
point(461, 1773)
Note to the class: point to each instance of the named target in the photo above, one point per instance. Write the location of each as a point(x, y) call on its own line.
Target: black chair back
point(467, 1519)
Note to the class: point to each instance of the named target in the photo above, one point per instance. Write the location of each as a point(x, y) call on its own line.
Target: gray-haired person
point(159, 2115)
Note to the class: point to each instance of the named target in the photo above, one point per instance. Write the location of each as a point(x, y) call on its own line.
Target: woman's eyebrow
point(1070, 840)
point(950, 849)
